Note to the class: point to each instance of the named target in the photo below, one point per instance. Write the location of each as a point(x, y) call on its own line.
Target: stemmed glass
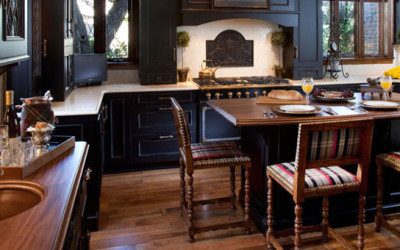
point(386, 85)
point(307, 84)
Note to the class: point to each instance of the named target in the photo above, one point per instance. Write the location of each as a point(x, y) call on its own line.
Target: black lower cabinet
point(78, 235)
point(140, 130)
point(88, 128)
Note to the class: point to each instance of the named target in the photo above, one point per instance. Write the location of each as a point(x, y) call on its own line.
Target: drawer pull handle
point(164, 109)
point(166, 137)
point(87, 174)
point(163, 98)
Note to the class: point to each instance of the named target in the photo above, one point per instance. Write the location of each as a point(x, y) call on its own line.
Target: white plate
point(381, 104)
point(297, 108)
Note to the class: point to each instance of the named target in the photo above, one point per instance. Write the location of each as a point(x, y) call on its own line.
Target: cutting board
point(274, 101)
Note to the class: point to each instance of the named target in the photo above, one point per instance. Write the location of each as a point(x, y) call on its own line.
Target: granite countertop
point(87, 100)
point(45, 225)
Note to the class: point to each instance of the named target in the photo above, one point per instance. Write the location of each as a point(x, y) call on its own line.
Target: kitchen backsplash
point(265, 55)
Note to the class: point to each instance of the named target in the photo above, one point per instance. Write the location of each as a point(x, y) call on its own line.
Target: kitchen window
point(107, 26)
point(364, 29)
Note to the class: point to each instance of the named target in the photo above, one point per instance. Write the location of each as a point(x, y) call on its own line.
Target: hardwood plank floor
point(141, 211)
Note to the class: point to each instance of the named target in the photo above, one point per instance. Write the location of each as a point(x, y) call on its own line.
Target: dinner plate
point(380, 105)
point(298, 109)
point(333, 99)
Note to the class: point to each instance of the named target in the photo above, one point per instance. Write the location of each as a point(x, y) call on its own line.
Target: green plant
point(278, 38)
point(183, 39)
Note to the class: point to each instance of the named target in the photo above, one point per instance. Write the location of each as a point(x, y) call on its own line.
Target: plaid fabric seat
point(216, 153)
point(315, 178)
point(392, 160)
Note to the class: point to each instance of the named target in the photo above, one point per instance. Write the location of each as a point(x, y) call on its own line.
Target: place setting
point(385, 104)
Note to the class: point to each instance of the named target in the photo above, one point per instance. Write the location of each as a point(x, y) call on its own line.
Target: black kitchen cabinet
point(57, 45)
point(396, 22)
point(157, 45)
point(140, 130)
point(13, 32)
point(89, 129)
point(303, 56)
point(117, 148)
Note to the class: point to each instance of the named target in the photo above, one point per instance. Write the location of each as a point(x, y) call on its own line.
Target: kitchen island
point(53, 223)
point(270, 140)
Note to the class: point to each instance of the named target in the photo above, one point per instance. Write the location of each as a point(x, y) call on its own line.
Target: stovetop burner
point(248, 80)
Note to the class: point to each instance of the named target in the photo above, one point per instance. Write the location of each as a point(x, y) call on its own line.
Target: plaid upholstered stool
point(203, 156)
point(391, 160)
point(322, 150)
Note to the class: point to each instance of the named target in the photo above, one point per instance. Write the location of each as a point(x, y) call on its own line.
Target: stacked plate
point(380, 105)
point(298, 109)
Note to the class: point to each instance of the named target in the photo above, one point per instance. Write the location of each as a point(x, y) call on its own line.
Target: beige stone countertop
point(340, 80)
point(87, 100)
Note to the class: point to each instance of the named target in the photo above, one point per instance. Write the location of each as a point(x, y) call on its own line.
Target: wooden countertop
point(45, 225)
point(246, 112)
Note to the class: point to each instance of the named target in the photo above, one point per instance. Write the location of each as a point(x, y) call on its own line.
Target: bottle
point(10, 117)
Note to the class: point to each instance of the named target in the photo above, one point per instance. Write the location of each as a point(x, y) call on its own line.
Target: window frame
point(100, 34)
point(359, 56)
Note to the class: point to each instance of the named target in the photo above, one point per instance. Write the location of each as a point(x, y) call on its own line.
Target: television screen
point(89, 69)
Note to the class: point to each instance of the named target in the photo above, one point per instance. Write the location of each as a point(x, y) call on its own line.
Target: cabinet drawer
point(157, 148)
point(161, 118)
point(163, 98)
point(307, 72)
point(160, 78)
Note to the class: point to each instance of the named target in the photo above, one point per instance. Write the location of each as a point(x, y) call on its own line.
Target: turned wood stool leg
point(183, 184)
point(233, 187)
point(298, 226)
point(325, 218)
point(379, 198)
point(247, 201)
point(270, 213)
point(361, 218)
point(190, 208)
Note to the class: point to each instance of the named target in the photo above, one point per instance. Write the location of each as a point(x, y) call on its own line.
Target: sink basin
point(17, 196)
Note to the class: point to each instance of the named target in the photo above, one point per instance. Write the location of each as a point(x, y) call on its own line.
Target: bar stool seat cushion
point(392, 160)
point(216, 153)
point(315, 178)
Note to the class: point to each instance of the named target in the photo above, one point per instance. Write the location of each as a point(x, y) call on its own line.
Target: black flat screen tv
point(89, 69)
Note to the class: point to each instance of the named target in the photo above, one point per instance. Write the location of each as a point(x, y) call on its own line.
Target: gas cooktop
point(244, 81)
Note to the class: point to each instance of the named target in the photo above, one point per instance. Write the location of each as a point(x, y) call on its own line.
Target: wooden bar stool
point(322, 150)
point(391, 160)
point(205, 156)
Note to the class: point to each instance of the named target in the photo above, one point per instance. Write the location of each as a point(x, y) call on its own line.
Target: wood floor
point(141, 211)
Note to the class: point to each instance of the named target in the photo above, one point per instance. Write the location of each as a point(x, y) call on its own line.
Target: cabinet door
point(307, 37)
point(117, 136)
point(157, 41)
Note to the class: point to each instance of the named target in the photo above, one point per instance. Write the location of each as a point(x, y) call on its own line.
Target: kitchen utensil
point(207, 72)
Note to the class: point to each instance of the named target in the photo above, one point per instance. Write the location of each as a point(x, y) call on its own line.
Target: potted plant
point(183, 40)
point(278, 40)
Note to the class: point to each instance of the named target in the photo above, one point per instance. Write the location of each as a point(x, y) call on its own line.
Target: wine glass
point(386, 85)
point(307, 84)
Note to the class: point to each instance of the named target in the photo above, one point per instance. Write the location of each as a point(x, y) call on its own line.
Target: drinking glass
point(307, 84)
point(386, 85)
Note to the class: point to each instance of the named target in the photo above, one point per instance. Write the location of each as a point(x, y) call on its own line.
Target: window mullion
point(359, 36)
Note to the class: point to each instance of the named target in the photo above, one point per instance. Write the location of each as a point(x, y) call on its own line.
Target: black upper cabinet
point(57, 45)
point(157, 46)
point(397, 22)
point(13, 32)
point(303, 56)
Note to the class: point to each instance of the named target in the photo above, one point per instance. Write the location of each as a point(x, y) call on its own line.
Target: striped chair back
point(336, 143)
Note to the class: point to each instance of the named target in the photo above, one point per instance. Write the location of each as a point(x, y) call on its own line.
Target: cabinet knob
point(239, 94)
point(208, 96)
point(247, 94)
point(87, 174)
point(217, 95)
point(256, 94)
point(230, 95)
point(264, 93)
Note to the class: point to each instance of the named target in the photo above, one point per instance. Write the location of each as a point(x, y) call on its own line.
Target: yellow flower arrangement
point(393, 72)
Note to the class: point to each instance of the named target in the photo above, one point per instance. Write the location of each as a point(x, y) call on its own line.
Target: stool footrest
point(212, 201)
point(392, 216)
